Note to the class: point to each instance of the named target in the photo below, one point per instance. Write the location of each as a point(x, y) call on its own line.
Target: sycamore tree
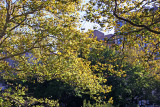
point(41, 38)
point(136, 25)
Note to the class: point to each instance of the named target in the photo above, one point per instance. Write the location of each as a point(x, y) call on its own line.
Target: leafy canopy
point(136, 25)
point(39, 40)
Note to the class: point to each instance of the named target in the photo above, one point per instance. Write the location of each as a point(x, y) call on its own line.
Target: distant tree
point(129, 88)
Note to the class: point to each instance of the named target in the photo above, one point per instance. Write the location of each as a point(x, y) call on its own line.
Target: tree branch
point(7, 20)
point(14, 100)
point(18, 24)
point(130, 22)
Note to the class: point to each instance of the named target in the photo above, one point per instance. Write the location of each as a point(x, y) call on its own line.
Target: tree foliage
point(39, 40)
point(133, 85)
point(136, 25)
